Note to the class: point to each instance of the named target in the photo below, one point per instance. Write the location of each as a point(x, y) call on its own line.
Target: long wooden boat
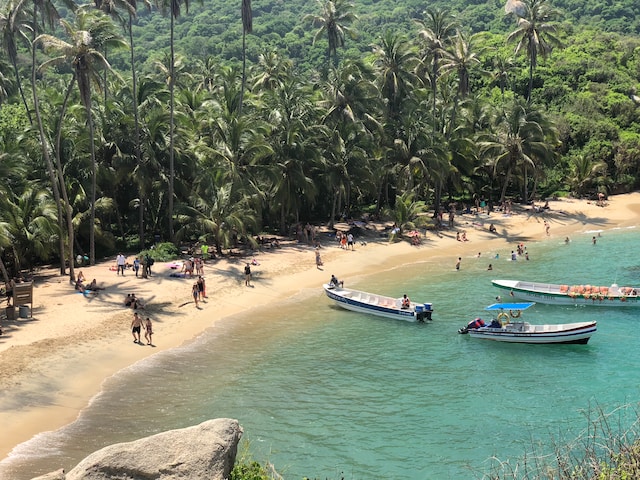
point(555, 294)
point(379, 305)
point(507, 327)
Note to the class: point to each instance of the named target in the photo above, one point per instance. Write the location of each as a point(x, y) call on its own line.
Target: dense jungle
point(125, 122)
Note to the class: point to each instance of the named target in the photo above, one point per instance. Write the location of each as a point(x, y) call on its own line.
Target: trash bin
point(24, 311)
point(11, 312)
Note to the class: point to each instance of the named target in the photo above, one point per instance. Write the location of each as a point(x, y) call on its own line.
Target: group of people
point(192, 264)
point(131, 301)
point(92, 287)
point(139, 323)
point(462, 237)
point(345, 240)
point(141, 265)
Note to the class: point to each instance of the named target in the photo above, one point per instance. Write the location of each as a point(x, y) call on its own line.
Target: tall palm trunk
point(44, 143)
point(92, 147)
point(530, 81)
point(247, 27)
point(24, 99)
point(134, 81)
point(171, 130)
point(63, 187)
point(84, 86)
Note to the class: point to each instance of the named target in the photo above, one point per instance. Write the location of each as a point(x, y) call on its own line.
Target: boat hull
point(381, 306)
point(552, 294)
point(573, 333)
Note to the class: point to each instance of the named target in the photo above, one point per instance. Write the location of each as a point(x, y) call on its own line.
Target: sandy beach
point(59, 358)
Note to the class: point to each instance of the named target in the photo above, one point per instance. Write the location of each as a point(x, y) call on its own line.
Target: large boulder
point(57, 475)
point(203, 451)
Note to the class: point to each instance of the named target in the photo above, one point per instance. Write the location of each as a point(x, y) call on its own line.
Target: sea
point(324, 393)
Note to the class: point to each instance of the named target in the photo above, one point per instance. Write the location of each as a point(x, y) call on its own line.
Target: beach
point(60, 357)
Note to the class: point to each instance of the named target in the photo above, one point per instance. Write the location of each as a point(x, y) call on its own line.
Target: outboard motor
point(472, 325)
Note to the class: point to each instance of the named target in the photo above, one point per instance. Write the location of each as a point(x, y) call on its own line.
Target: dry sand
point(63, 354)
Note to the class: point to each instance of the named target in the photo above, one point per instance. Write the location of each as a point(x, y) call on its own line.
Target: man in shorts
point(350, 241)
point(136, 323)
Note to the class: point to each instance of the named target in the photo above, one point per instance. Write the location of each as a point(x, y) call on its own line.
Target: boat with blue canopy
point(506, 326)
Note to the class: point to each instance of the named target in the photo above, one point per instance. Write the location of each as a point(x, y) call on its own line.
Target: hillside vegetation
point(121, 125)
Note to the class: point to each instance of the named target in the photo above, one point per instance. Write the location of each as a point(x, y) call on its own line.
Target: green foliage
point(161, 252)
point(249, 471)
point(13, 121)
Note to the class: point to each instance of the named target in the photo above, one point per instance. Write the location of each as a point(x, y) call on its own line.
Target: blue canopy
point(510, 306)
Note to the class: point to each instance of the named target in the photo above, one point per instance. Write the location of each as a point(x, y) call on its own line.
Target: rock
point(206, 451)
point(57, 475)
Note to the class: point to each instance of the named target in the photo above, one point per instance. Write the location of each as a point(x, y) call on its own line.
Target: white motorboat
point(556, 294)
point(379, 305)
point(507, 327)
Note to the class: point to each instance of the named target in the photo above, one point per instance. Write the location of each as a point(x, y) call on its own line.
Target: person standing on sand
point(136, 323)
point(318, 259)
point(120, 263)
point(547, 227)
point(247, 275)
point(458, 263)
point(195, 292)
point(200, 283)
point(148, 330)
point(136, 266)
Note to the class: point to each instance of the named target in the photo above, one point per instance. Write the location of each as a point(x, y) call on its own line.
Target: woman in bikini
point(148, 330)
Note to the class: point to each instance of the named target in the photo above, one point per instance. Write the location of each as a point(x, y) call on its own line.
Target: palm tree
point(247, 27)
point(31, 223)
point(92, 32)
point(438, 28)
point(461, 59)
point(523, 137)
point(136, 117)
point(395, 63)
point(271, 71)
point(349, 94)
point(46, 11)
point(534, 33)
point(112, 9)
point(584, 173)
point(294, 140)
point(14, 26)
point(333, 21)
point(174, 12)
point(219, 217)
point(408, 213)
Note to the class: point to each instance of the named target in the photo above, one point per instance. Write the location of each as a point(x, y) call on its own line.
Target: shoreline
point(64, 354)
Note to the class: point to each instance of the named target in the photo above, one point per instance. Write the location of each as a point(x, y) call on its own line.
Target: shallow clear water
point(324, 393)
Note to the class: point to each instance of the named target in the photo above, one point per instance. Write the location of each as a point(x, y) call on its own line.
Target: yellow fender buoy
point(503, 318)
point(515, 314)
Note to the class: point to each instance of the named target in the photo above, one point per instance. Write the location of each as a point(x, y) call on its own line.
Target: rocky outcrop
point(57, 475)
point(206, 451)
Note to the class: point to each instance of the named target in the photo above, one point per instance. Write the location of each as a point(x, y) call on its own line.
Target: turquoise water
point(326, 393)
